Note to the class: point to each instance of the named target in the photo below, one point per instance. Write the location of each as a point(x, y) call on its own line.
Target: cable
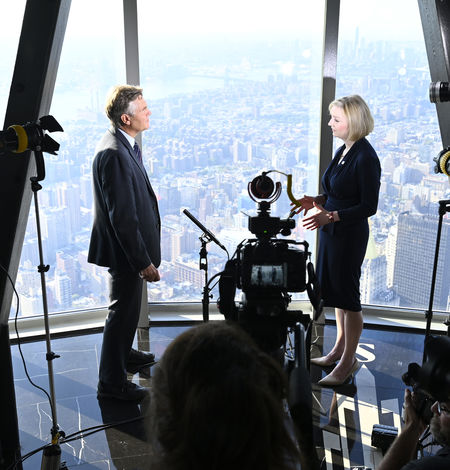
point(94, 429)
point(65, 439)
point(26, 456)
point(18, 337)
point(74, 437)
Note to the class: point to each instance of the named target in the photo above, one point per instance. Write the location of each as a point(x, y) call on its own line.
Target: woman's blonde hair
point(360, 120)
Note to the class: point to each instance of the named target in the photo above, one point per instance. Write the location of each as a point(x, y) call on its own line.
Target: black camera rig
point(267, 269)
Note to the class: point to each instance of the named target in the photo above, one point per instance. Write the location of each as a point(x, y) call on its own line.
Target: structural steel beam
point(37, 60)
point(435, 16)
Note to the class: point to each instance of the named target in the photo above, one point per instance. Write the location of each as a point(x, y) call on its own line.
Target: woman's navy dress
point(351, 188)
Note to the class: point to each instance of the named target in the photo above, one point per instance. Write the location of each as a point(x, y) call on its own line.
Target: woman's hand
point(318, 219)
point(307, 203)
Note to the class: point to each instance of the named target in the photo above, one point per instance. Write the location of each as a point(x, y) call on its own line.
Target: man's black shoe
point(129, 391)
point(138, 360)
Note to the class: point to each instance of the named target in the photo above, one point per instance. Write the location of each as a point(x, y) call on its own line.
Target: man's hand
point(404, 447)
point(410, 415)
point(150, 274)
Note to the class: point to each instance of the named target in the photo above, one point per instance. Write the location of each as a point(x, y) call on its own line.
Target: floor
point(343, 417)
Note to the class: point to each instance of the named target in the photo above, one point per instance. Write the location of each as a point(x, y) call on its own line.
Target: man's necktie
point(138, 151)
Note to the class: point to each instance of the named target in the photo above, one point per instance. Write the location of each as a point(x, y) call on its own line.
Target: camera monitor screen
point(268, 275)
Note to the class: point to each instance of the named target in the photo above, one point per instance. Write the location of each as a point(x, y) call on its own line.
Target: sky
point(386, 18)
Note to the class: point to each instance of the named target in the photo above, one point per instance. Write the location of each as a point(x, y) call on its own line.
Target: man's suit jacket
point(127, 226)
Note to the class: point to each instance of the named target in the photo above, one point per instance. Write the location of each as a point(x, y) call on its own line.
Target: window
point(92, 60)
point(234, 89)
point(382, 57)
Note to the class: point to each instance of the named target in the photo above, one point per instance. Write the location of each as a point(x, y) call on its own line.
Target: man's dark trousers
point(120, 326)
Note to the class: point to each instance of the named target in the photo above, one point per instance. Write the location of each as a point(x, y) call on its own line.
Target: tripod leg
point(300, 401)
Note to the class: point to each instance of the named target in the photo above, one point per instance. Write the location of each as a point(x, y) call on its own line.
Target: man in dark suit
point(125, 238)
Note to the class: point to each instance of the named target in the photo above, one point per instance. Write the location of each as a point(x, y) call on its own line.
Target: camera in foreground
point(267, 270)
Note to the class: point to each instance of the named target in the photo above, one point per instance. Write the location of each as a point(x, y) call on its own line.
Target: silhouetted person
point(217, 404)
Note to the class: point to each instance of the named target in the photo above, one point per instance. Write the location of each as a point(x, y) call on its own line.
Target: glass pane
point(382, 57)
point(9, 39)
point(234, 89)
point(92, 60)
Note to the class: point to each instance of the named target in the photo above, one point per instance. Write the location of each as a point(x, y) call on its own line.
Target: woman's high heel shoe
point(330, 381)
point(322, 361)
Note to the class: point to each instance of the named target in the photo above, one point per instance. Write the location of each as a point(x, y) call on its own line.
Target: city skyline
point(206, 142)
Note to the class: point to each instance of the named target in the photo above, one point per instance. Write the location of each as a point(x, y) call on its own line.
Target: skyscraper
point(415, 249)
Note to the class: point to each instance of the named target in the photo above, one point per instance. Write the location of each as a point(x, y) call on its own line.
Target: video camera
point(267, 269)
point(431, 381)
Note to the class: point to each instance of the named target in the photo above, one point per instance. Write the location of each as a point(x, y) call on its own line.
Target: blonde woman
point(351, 186)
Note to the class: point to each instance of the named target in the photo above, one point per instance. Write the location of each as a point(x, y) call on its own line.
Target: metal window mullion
point(328, 92)
point(435, 17)
point(130, 27)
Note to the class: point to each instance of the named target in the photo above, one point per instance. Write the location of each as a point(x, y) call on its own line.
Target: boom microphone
point(208, 234)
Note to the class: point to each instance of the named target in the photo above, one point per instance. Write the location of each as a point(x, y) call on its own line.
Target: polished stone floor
point(343, 417)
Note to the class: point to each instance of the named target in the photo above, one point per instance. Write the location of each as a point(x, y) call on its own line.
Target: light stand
point(444, 206)
point(51, 457)
point(205, 238)
point(18, 139)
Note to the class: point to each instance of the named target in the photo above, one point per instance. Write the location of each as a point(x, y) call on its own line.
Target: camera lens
point(439, 92)
point(262, 187)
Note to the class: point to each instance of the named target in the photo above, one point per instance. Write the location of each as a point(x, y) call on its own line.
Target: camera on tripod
point(267, 270)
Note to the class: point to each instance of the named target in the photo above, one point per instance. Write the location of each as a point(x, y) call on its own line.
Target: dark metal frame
point(31, 92)
point(33, 81)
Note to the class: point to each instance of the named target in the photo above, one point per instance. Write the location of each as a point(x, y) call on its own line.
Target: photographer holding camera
point(402, 453)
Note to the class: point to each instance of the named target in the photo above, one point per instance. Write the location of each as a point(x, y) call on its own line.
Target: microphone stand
point(205, 238)
point(203, 265)
point(444, 206)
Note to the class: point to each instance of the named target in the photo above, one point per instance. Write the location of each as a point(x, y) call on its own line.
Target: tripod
point(51, 457)
point(444, 206)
